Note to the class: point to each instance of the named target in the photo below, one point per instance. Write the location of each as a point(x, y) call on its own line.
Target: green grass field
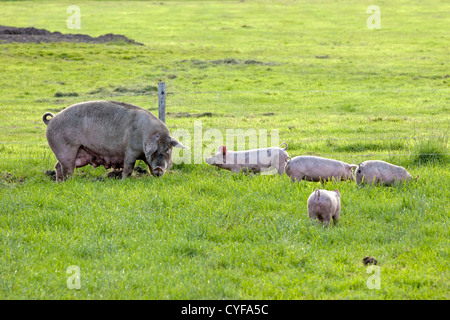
point(312, 70)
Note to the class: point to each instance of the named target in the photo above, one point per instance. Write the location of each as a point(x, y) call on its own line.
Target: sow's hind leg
point(66, 160)
point(58, 169)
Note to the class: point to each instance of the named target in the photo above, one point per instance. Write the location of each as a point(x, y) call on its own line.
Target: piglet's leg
point(336, 217)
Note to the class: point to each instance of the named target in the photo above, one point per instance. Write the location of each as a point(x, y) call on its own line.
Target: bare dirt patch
point(369, 260)
point(6, 177)
point(31, 34)
point(117, 174)
point(202, 64)
point(113, 174)
point(189, 115)
point(51, 174)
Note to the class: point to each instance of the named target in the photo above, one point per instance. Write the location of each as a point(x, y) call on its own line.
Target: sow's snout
point(158, 152)
point(158, 172)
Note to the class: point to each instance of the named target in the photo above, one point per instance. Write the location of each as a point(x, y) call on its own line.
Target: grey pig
point(108, 133)
point(324, 205)
point(311, 168)
point(254, 160)
point(377, 171)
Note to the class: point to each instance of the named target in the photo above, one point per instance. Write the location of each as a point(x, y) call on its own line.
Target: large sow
point(110, 134)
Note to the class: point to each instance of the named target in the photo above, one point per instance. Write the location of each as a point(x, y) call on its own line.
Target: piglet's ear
point(337, 191)
point(222, 149)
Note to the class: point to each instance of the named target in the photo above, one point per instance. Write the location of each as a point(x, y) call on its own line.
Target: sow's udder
point(85, 157)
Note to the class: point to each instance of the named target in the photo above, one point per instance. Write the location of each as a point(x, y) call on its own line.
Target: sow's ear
point(151, 145)
point(222, 149)
point(174, 143)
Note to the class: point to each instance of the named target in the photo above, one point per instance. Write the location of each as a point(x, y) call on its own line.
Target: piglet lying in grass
point(381, 172)
point(263, 160)
point(324, 205)
point(317, 169)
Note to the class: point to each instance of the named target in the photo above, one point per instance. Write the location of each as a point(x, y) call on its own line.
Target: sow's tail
point(284, 147)
point(44, 117)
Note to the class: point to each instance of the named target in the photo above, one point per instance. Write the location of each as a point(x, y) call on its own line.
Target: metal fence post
point(162, 101)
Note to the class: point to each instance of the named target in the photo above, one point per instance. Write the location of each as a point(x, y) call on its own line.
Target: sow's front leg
point(128, 166)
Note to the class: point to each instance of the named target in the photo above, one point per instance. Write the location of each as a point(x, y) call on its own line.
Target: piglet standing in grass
point(324, 205)
point(311, 168)
point(380, 172)
point(264, 160)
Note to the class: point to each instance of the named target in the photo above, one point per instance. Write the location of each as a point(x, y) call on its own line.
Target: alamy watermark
point(210, 141)
point(73, 281)
point(374, 20)
point(74, 20)
point(374, 281)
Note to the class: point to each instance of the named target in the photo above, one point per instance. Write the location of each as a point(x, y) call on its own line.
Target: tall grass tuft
point(430, 150)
